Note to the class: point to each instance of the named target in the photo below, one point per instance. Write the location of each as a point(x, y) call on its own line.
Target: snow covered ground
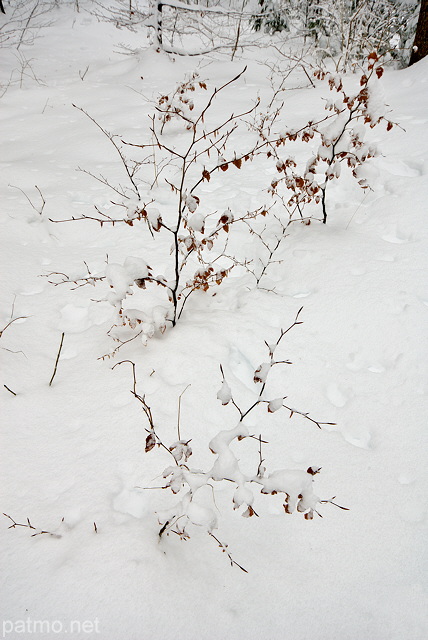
point(73, 453)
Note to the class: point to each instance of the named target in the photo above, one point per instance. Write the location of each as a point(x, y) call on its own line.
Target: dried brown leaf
point(150, 442)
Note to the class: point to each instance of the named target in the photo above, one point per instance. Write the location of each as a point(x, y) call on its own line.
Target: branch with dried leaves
point(193, 507)
point(197, 261)
point(341, 141)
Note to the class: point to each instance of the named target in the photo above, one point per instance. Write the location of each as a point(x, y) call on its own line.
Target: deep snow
point(73, 453)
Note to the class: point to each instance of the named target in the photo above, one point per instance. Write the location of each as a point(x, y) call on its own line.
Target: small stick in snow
point(307, 75)
point(334, 503)
point(82, 75)
point(260, 467)
point(10, 390)
point(179, 410)
point(57, 359)
point(223, 547)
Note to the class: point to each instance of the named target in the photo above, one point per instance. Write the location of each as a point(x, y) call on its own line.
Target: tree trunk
point(420, 45)
point(159, 23)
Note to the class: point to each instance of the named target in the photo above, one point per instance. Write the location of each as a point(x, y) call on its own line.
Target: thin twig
point(145, 407)
point(40, 210)
point(261, 460)
point(11, 322)
point(307, 75)
point(28, 525)
point(224, 548)
point(10, 390)
point(179, 410)
point(57, 359)
point(334, 503)
point(129, 172)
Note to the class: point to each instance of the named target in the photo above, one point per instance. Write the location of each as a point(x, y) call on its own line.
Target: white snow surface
point(73, 453)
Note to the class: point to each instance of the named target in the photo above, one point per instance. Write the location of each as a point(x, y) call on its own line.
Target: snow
point(225, 393)
point(73, 453)
point(197, 221)
point(201, 516)
point(276, 404)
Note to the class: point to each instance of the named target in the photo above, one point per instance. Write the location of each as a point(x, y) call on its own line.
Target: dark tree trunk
point(159, 23)
point(1, 7)
point(420, 45)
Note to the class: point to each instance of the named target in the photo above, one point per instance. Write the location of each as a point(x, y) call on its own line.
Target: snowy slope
point(73, 453)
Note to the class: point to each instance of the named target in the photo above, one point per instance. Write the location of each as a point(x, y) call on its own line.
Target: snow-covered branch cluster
point(340, 137)
point(195, 505)
point(344, 30)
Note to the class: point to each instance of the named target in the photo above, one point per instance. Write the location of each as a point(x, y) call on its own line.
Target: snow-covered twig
point(28, 525)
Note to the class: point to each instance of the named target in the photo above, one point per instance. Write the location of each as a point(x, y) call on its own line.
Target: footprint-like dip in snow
point(386, 257)
point(32, 292)
point(130, 502)
point(360, 440)
point(72, 517)
point(358, 271)
point(338, 397)
point(412, 511)
point(395, 236)
point(74, 319)
point(299, 293)
point(68, 353)
point(122, 399)
point(355, 362)
point(376, 368)
point(394, 239)
point(406, 478)
point(402, 168)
